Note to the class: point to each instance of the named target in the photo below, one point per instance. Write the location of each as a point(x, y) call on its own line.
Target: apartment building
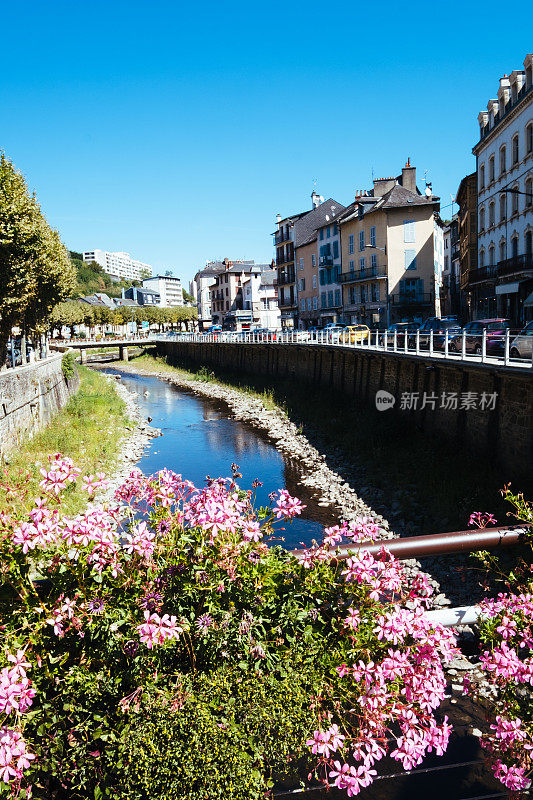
point(119, 265)
point(392, 252)
point(292, 233)
point(260, 296)
point(450, 302)
point(467, 219)
point(502, 283)
point(329, 268)
point(227, 294)
point(169, 289)
point(307, 272)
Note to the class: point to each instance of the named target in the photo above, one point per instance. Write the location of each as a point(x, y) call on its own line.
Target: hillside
point(91, 278)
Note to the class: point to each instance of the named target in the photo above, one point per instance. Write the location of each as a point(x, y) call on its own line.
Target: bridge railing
point(507, 349)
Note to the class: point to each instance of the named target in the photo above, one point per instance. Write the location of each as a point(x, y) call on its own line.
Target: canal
point(200, 438)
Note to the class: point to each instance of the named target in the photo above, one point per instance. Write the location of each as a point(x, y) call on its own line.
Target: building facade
point(307, 271)
point(392, 253)
point(450, 291)
point(119, 265)
point(142, 296)
point(260, 296)
point(227, 292)
point(502, 283)
point(168, 288)
point(467, 217)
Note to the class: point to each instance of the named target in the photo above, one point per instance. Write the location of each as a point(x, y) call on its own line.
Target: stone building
point(392, 252)
point(502, 283)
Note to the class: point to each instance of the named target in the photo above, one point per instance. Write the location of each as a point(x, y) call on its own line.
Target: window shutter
point(409, 231)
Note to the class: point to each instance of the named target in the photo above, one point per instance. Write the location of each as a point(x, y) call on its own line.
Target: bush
point(156, 644)
point(68, 365)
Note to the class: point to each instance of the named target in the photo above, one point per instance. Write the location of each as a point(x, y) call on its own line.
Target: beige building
point(307, 282)
point(392, 252)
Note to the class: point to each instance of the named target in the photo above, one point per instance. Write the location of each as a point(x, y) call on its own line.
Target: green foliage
point(68, 365)
point(220, 736)
point(35, 269)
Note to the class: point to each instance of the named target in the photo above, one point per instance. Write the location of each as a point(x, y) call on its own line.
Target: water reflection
point(199, 439)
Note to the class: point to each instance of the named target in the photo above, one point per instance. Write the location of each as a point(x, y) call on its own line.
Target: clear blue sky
point(176, 131)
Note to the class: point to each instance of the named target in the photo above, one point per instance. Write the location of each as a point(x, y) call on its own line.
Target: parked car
point(495, 342)
point(400, 328)
point(333, 331)
point(442, 329)
point(522, 345)
point(214, 329)
point(353, 334)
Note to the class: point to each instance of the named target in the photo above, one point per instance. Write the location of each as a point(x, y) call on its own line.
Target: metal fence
point(509, 349)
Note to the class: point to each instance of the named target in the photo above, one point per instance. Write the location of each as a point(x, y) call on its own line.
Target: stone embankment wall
point(29, 397)
point(503, 433)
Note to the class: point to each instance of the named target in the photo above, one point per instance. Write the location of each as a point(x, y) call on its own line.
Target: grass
point(88, 429)
point(435, 483)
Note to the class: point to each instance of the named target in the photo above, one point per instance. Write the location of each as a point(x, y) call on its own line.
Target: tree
point(70, 313)
point(35, 269)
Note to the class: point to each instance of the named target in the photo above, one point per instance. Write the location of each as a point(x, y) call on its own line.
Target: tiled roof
point(325, 213)
point(398, 197)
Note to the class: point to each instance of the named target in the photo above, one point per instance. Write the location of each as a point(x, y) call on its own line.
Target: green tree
point(35, 269)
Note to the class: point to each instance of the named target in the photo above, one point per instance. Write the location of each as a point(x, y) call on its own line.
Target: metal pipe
point(437, 543)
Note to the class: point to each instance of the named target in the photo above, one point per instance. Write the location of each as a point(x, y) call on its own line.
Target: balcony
point(282, 236)
point(412, 300)
point(325, 261)
point(519, 265)
point(362, 274)
point(285, 277)
point(482, 274)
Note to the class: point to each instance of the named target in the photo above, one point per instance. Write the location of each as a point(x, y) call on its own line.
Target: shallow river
point(200, 438)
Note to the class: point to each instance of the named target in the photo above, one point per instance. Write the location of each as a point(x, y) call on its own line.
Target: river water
point(200, 438)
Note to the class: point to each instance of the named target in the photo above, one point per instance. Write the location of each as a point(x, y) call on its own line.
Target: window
point(408, 230)
point(374, 261)
point(330, 298)
point(514, 247)
point(328, 232)
point(337, 297)
point(446, 263)
point(529, 138)
point(491, 255)
point(491, 214)
point(529, 192)
point(528, 243)
point(323, 300)
point(361, 240)
point(322, 277)
point(314, 281)
point(302, 305)
point(503, 207)
point(335, 249)
point(373, 236)
point(309, 304)
point(491, 169)
point(410, 259)
point(363, 294)
point(481, 219)
point(315, 303)
point(362, 263)
point(321, 234)
point(350, 244)
point(352, 265)
point(515, 149)
point(375, 292)
point(503, 250)
point(514, 200)
point(503, 159)
point(482, 176)
point(301, 263)
point(481, 258)
point(313, 259)
point(335, 228)
point(353, 295)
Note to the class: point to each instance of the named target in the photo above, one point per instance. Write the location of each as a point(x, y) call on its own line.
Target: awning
point(529, 300)
point(507, 288)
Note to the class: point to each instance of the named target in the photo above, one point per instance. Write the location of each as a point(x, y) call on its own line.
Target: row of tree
point(74, 312)
point(36, 272)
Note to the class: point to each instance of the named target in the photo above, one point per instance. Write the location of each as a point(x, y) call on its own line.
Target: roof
point(312, 238)
point(366, 201)
point(92, 300)
point(268, 276)
point(162, 278)
point(324, 214)
point(399, 197)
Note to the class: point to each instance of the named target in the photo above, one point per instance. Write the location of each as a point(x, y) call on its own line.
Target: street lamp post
point(383, 250)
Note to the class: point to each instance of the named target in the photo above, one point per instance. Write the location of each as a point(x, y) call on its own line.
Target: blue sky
point(177, 131)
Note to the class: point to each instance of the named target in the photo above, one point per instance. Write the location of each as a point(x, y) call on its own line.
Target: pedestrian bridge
point(92, 344)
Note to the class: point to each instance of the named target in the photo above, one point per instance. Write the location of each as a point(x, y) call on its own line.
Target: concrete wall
point(30, 396)
point(504, 434)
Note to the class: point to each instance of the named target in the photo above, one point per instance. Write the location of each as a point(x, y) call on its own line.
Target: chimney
point(409, 177)
point(383, 185)
point(315, 199)
point(278, 219)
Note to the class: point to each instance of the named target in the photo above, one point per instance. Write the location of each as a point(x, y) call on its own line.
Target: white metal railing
point(506, 350)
